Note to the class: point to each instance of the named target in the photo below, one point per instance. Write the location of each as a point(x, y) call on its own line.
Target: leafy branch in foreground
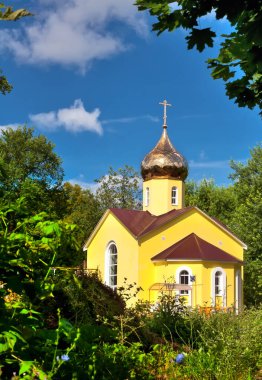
point(7, 13)
point(239, 62)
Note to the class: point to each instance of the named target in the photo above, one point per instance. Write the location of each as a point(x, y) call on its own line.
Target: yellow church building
point(168, 247)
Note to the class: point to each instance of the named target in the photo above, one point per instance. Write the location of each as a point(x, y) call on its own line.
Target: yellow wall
point(157, 241)
point(134, 257)
point(127, 266)
point(201, 287)
point(160, 195)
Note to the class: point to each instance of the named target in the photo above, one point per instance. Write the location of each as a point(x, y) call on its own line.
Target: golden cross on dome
point(165, 104)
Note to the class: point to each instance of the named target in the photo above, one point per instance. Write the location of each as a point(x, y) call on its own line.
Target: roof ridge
point(176, 213)
point(149, 224)
point(196, 237)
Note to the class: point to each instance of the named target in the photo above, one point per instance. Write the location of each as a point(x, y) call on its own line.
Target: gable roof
point(192, 247)
point(140, 223)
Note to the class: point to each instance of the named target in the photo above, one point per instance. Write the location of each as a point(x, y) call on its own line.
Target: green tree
point(82, 209)
point(30, 168)
point(247, 221)
point(239, 62)
point(218, 202)
point(8, 14)
point(119, 189)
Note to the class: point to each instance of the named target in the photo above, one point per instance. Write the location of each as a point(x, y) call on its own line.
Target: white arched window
point(218, 286)
point(174, 196)
point(111, 266)
point(184, 280)
point(147, 197)
point(183, 277)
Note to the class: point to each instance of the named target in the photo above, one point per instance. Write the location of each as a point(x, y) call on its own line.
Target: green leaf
point(25, 366)
point(222, 71)
point(52, 228)
point(17, 236)
point(65, 326)
point(27, 311)
point(200, 38)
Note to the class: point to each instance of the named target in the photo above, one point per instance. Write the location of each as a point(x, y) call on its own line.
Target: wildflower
point(65, 357)
point(180, 358)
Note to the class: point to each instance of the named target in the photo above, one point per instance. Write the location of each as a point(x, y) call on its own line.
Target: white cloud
point(75, 32)
point(72, 119)
point(12, 126)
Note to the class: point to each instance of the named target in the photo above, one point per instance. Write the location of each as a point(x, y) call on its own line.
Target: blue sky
point(90, 75)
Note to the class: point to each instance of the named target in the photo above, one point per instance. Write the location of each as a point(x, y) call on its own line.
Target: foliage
point(5, 86)
point(172, 321)
point(247, 220)
point(30, 168)
point(81, 208)
point(229, 347)
point(30, 246)
point(83, 297)
point(239, 206)
point(24, 155)
point(216, 346)
point(239, 62)
point(8, 14)
point(118, 361)
point(218, 202)
point(119, 189)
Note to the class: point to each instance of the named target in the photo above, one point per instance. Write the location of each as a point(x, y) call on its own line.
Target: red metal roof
point(141, 222)
point(135, 221)
point(192, 247)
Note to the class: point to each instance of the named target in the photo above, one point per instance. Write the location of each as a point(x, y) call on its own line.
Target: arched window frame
point(184, 280)
point(111, 257)
point(147, 194)
point(174, 196)
point(222, 285)
point(190, 275)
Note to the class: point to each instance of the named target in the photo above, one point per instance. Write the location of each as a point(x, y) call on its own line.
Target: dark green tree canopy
point(82, 208)
point(30, 168)
point(247, 220)
point(239, 62)
point(26, 156)
point(216, 201)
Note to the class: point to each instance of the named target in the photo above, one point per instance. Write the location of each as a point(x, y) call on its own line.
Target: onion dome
point(164, 161)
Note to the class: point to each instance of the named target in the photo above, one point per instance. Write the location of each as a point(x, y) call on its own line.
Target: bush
point(230, 347)
point(173, 321)
point(83, 297)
